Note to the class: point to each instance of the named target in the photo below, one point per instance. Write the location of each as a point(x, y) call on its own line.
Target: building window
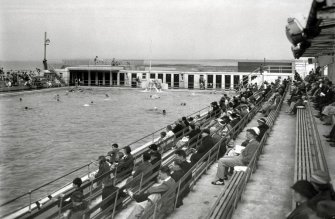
point(144, 76)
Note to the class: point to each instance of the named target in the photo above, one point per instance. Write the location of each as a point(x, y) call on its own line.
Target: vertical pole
point(29, 201)
point(115, 202)
point(45, 46)
point(177, 196)
point(89, 199)
point(154, 216)
point(141, 182)
point(60, 205)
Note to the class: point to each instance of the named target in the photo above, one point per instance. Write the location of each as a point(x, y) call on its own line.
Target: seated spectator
point(184, 119)
point(193, 134)
point(206, 144)
point(263, 127)
point(178, 172)
point(178, 129)
point(321, 182)
point(234, 120)
point(109, 192)
point(126, 163)
point(147, 198)
point(327, 113)
point(242, 159)
point(303, 191)
point(156, 157)
point(103, 170)
point(331, 136)
point(144, 167)
point(169, 132)
point(326, 209)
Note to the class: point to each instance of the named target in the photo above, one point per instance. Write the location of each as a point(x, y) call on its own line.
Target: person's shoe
point(317, 116)
point(219, 182)
point(332, 145)
point(327, 136)
point(225, 177)
point(330, 140)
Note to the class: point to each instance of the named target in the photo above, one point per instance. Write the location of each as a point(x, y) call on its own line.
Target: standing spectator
point(103, 170)
point(126, 164)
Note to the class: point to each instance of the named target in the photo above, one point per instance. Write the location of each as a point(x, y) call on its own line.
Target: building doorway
point(190, 83)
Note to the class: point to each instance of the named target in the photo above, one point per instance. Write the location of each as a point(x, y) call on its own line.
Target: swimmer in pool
point(91, 102)
point(20, 99)
point(27, 108)
point(106, 95)
point(164, 112)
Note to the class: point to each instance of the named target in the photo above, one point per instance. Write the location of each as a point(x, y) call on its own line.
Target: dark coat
point(143, 167)
point(262, 129)
point(177, 175)
point(126, 164)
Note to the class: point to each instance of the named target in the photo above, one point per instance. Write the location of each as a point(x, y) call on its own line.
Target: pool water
point(54, 137)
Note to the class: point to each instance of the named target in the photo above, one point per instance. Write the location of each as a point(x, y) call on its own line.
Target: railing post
point(154, 215)
point(141, 181)
point(208, 159)
point(114, 181)
point(60, 205)
point(30, 201)
point(177, 196)
point(89, 199)
point(115, 202)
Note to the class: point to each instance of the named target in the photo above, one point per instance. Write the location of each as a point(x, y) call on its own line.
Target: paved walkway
point(268, 193)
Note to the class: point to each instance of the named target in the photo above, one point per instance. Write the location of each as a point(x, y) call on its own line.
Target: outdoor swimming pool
point(52, 138)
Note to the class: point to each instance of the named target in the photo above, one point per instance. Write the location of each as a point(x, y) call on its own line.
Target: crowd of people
point(191, 138)
point(27, 78)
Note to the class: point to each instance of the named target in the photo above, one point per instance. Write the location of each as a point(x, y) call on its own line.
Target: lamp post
point(46, 42)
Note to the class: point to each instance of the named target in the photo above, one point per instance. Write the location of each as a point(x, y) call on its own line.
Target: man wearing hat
point(263, 127)
point(206, 144)
point(303, 192)
point(241, 160)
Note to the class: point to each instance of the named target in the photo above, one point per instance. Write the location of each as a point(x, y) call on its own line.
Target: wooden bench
point(309, 155)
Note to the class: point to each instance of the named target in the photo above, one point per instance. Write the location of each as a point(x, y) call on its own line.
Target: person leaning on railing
point(239, 160)
point(126, 163)
point(103, 169)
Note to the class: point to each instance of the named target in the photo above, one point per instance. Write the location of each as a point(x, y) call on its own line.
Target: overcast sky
point(178, 29)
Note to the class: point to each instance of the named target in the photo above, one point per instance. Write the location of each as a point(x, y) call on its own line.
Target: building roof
point(319, 33)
